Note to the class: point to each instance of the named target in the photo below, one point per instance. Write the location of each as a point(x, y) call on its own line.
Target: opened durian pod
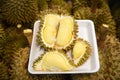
point(57, 32)
point(53, 60)
point(81, 51)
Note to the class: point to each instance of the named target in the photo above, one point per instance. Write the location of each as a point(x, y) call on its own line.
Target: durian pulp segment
point(54, 61)
point(79, 50)
point(49, 31)
point(65, 36)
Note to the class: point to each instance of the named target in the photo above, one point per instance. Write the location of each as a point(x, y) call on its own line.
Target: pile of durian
point(63, 50)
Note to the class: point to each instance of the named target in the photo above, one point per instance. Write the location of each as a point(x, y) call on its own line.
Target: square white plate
point(87, 32)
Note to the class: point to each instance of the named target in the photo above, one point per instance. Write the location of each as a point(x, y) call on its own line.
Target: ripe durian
point(19, 12)
point(53, 61)
point(57, 32)
point(81, 51)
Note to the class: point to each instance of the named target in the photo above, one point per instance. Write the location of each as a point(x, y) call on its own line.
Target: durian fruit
point(19, 12)
point(57, 32)
point(49, 30)
point(66, 32)
point(4, 75)
point(81, 51)
point(53, 61)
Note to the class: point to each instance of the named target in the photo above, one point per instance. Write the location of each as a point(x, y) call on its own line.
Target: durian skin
point(19, 12)
point(38, 60)
point(86, 54)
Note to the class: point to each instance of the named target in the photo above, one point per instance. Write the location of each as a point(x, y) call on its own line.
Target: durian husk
point(19, 12)
point(38, 64)
point(67, 47)
point(81, 59)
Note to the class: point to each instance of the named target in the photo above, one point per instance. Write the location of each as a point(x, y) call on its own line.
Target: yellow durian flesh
point(49, 30)
point(79, 50)
point(64, 36)
point(54, 61)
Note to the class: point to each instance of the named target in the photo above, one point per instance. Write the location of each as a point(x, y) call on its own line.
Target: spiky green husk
point(62, 53)
point(87, 53)
point(3, 71)
point(109, 62)
point(43, 45)
point(19, 12)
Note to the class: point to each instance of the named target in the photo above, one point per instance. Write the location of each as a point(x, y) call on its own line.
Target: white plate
point(87, 32)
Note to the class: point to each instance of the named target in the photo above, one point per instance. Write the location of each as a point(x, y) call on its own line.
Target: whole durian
point(4, 75)
point(57, 32)
point(53, 61)
point(19, 11)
